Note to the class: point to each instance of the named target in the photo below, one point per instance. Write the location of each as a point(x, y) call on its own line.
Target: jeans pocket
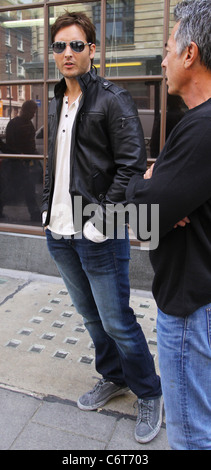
point(209, 325)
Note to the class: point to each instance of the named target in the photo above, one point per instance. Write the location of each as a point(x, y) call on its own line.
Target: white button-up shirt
point(61, 220)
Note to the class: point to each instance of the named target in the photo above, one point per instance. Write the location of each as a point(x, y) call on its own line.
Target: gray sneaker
point(102, 392)
point(149, 419)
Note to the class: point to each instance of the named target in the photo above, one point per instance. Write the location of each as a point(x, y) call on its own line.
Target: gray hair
point(195, 26)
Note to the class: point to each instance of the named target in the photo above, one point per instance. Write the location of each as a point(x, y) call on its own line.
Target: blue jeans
point(184, 349)
point(97, 278)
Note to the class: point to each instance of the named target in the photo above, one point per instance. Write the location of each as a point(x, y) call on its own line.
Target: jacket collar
point(83, 80)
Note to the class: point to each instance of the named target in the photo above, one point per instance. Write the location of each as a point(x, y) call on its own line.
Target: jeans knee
point(112, 330)
point(109, 329)
point(119, 336)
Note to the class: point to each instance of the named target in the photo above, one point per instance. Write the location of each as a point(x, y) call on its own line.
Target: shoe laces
point(145, 407)
point(98, 385)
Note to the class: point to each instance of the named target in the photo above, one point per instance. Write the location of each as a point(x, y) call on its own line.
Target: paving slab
point(48, 356)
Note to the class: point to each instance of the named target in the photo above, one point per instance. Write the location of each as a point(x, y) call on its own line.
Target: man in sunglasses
point(95, 145)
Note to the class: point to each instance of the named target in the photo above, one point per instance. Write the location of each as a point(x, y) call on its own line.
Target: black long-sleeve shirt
point(181, 185)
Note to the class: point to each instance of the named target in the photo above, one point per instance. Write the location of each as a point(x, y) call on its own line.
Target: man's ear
point(92, 49)
point(191, 55)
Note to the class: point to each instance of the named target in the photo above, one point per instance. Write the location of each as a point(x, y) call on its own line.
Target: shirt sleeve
point(180, 183)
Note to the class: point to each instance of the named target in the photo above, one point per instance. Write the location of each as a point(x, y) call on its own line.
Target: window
point(8, 95)
point(23, 31)
point(8, 63)
point(7, 37)
point(21, 92)
point(130, 43)
point(19, 42)
point(20, 67)
point(19, 15)
point(134, 37)
point(119, 22)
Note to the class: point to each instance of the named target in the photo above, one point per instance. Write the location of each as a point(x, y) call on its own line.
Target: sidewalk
point(47, 361)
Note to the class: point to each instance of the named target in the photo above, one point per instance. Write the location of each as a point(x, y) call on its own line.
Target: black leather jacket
point(107, 143)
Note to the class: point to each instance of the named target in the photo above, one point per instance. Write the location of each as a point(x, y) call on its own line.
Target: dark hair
point(77, 18)
point(28, 109)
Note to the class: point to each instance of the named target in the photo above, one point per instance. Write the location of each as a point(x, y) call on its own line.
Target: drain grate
point(152, 341)
point(140, 315)
point(55, 301)
point(13, 343)
point(37, 348)
point(86, 359)
point(80, 329)
point(63, 292)
point(36, 320)
point(46, 310)
point(25, 332)
point(71, 340)
point(48, 336)
point(67, 314)
point(61, 354)
point(57, 324)
point(144, 304)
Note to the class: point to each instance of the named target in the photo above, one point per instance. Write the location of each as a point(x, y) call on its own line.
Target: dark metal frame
point(46, 4)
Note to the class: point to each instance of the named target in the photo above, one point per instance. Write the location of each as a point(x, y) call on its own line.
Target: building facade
point(131, 37)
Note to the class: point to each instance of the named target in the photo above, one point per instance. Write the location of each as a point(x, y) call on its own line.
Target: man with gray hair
point(180, 183)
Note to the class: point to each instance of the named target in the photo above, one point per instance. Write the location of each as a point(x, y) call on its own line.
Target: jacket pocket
point(100, 184)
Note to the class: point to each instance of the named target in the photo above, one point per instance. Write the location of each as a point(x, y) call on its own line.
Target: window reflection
point(14, 2)
point(134, 37)
point(20, 179)
point(119, 22)
point(12, 98)
point(20, 191)
point(21, 36)
point(20, 131)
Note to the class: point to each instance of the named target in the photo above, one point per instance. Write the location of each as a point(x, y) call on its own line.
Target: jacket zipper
point(126, 119)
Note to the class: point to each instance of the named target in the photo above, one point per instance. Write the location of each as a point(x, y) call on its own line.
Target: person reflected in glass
point(23, 173)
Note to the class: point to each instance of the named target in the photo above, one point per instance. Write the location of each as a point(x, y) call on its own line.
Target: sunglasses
point(77, 46)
